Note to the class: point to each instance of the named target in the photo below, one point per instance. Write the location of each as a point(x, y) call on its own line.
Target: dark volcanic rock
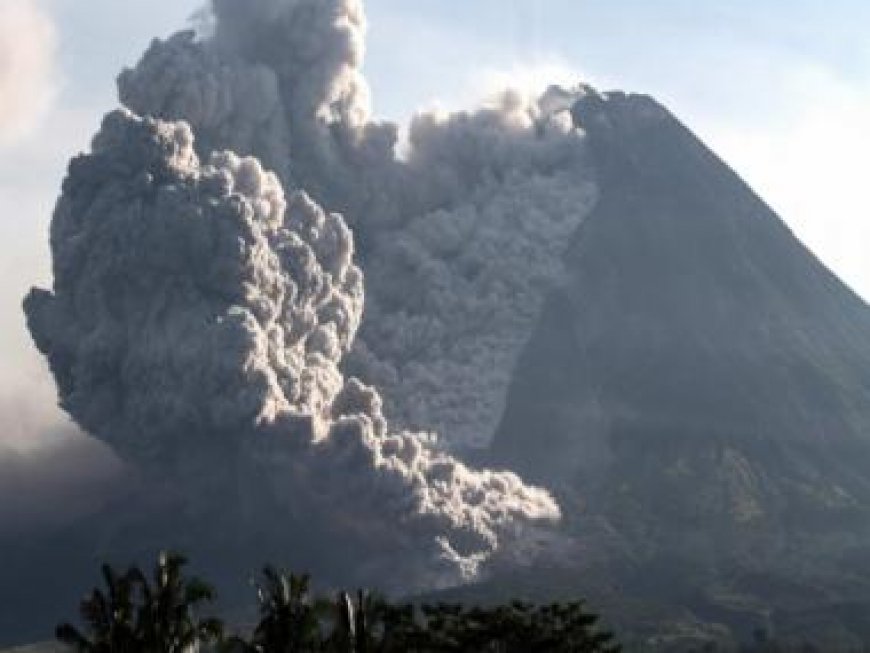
point(700, 386)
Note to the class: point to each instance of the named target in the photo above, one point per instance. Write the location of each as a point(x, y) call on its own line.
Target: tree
point(289, 617)
point(109, 616)
point(166, 616)
point(134, 616)
point(514, 628)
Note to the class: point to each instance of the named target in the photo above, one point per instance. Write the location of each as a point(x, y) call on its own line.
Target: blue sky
point(780, 90)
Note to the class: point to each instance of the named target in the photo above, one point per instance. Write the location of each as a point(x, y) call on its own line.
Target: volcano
point(291, 321)
point(698, 391)
point(689, 382)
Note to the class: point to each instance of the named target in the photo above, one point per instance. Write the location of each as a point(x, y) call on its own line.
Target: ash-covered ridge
point(698, 392)
point(690, 307)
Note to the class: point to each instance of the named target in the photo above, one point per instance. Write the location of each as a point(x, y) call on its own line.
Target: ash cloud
point(186, 305)
point(439, 230)
point(199, 314)
point(196, 310)
point(279, 80)
point(458, 288)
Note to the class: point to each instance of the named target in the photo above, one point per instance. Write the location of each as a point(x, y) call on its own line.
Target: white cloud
point(27, 63)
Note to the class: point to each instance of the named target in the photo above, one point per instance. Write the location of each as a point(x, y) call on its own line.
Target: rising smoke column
point(457, 290)
point(441, 230)
point(280, 80)
point(195, 310)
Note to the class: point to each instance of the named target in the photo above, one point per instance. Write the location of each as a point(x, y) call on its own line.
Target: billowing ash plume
point(440, 231)
point(280, 80)
point(195, 309)
point(216, 304)
point(457, 290)
point(197, 313)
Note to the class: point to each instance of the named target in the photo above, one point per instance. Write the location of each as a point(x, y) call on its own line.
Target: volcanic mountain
point(698, 391)
point(266, 303)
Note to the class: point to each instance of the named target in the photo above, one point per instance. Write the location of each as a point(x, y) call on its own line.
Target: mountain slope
point(698, 391)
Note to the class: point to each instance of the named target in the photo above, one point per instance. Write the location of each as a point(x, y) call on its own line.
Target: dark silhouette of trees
point(290, 619)
point(110, 617)
point(514, 628)
point(138, 615)
point(135, 614)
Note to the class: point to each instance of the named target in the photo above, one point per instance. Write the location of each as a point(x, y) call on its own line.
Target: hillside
point(698, 392)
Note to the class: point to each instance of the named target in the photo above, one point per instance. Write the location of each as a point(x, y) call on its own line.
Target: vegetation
point(133, 615)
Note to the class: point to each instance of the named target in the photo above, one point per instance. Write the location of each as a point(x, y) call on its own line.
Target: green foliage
point(110, 616)
point(292, 622)
point(514, 628)
point(136, 615)
point(290, 619)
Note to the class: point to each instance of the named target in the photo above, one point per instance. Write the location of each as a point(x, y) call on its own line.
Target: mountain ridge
point(698, 392)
